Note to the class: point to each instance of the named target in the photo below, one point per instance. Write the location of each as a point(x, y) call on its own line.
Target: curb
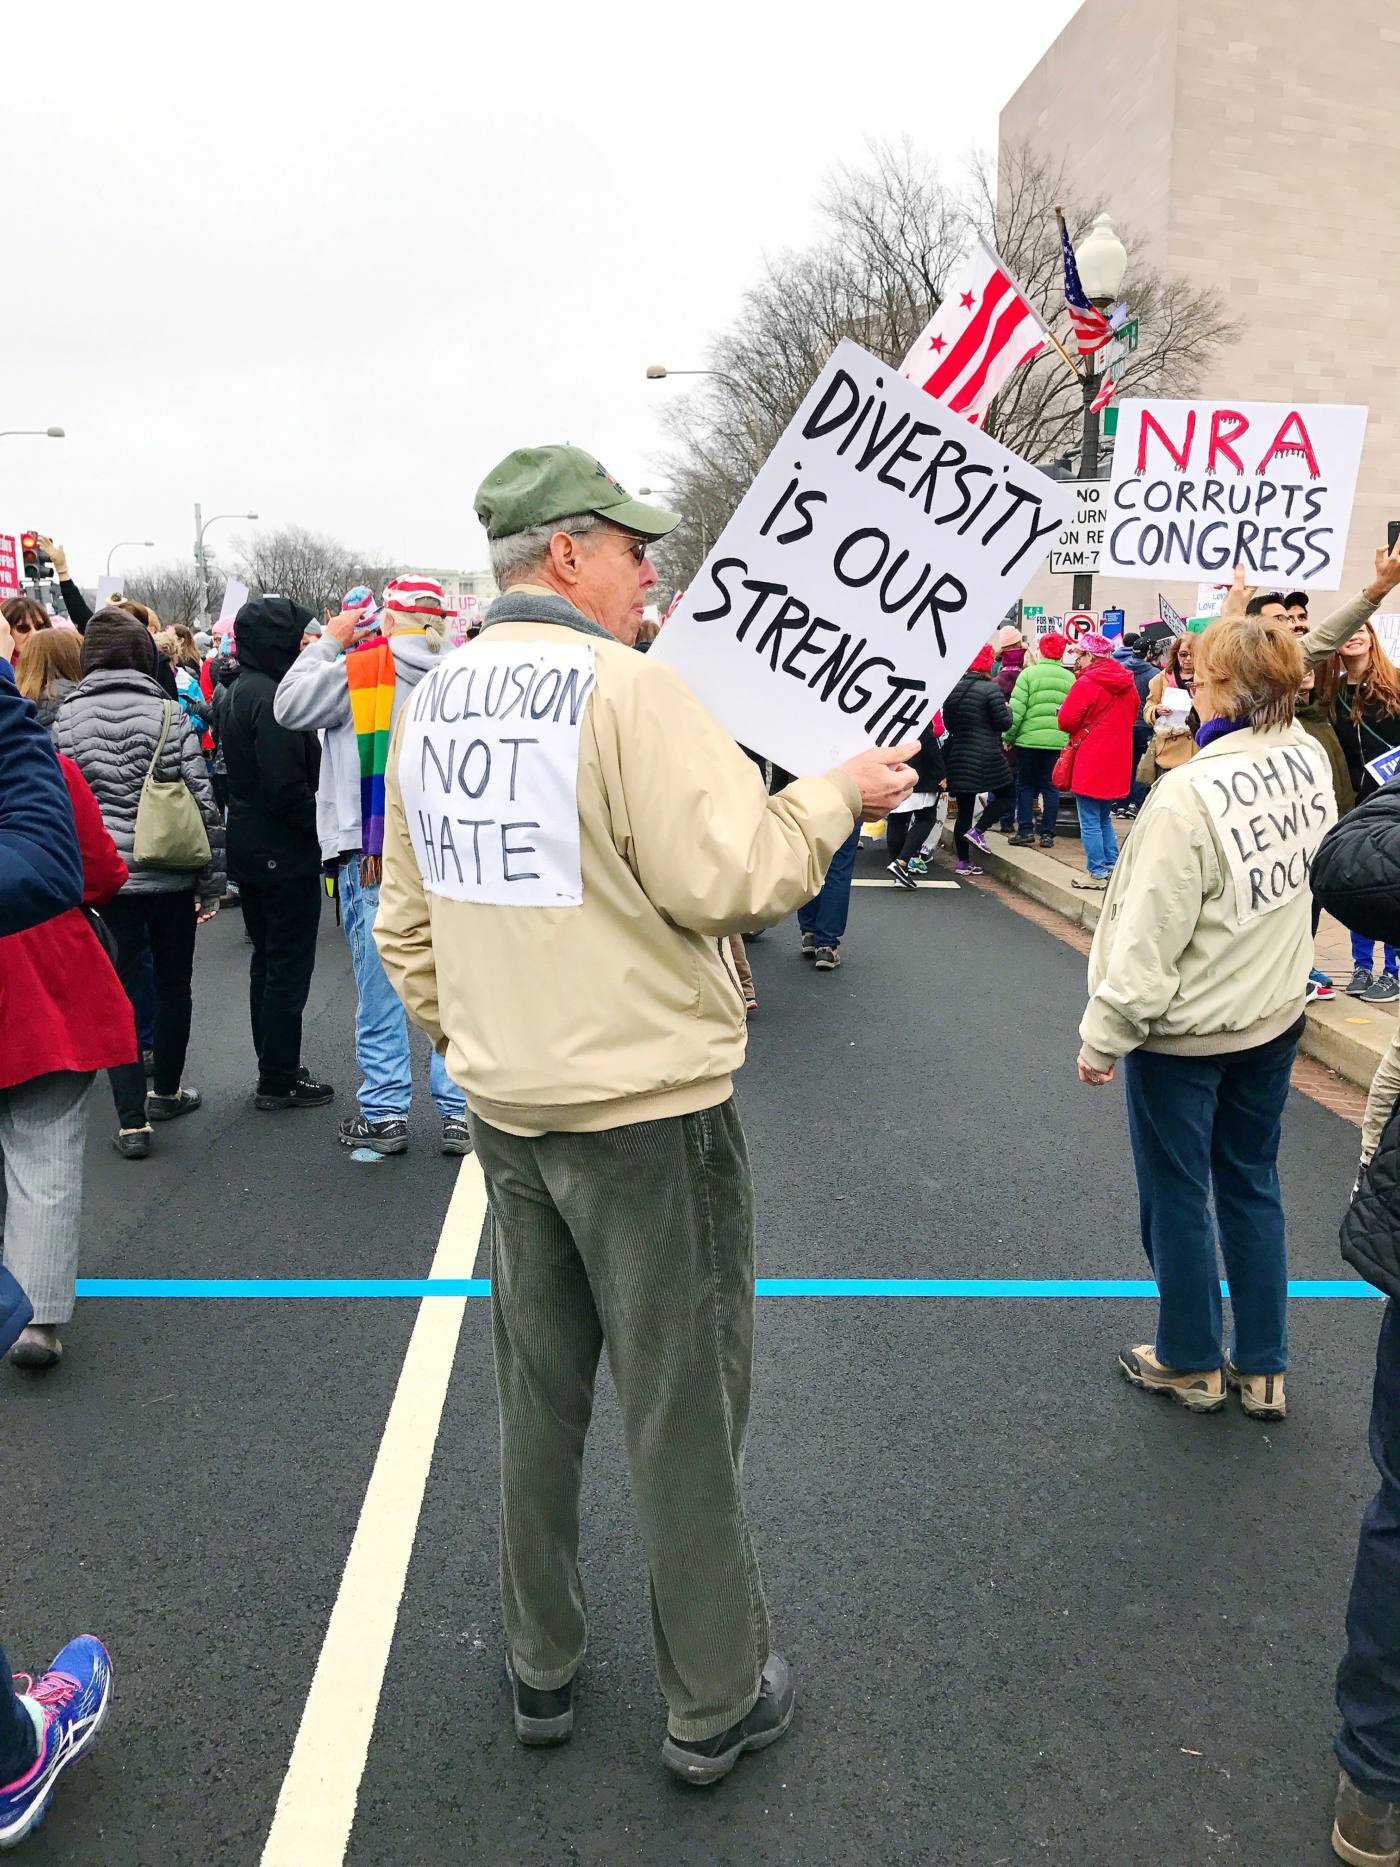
point(1329, 1036)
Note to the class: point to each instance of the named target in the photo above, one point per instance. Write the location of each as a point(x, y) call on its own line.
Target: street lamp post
point(146, 544)
point(657, 372)
point(1102, 260)
point(51, 434)
point(201, 526)
point(645, 492)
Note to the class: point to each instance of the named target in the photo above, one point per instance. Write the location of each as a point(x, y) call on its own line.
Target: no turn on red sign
point(1079, 622)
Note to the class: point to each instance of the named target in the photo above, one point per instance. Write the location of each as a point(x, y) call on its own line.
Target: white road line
point(877, 881)
point(316, 1807)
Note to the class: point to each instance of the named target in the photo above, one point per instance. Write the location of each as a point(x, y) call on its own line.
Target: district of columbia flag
point(983, 330)
point(1107, 390)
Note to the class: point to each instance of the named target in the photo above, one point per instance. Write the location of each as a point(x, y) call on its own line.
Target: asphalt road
point(1034, 1616)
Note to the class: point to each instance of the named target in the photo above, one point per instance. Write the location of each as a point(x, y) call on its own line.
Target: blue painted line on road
point(1301, 1289)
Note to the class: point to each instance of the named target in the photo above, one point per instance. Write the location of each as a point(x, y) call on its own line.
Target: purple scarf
point(1217, 729)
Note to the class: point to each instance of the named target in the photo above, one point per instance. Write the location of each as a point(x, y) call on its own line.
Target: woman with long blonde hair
point(49, 670)
point(1366, 689)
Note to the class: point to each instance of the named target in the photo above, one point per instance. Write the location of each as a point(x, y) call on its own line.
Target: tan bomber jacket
point(619, 1007)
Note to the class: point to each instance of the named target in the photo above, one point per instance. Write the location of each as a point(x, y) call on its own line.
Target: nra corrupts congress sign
point(1199, 487)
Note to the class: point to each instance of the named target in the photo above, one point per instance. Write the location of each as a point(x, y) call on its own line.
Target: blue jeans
point(381, 1023)
point(1368, 1679)
point(1034, 765)
point(825, 917)
point(1363, 954)
point(1096, 830)
point(1203, 1126)
point(18, 1740)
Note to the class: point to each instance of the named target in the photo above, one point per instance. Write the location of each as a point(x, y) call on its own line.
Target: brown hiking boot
point(1261, 1395)
point(1202, 1390)
point(1365, 1831)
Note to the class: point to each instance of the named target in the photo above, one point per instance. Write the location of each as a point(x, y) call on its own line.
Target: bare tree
point(895, 232)
point(306, 566)
point(171, 590)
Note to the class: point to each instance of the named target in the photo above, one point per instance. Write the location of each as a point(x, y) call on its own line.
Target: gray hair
point(514, 557)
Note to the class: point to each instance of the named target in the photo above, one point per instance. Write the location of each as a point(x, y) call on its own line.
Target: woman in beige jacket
point(1196, 981)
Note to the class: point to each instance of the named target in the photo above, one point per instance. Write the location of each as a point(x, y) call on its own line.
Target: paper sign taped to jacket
point(1270, 812)
point(488, 772)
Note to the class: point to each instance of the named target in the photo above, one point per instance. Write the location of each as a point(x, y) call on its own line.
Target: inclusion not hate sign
point(1199, 487)
point(877, 548)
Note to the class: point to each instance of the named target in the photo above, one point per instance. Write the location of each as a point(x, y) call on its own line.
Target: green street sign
point(1110, 420)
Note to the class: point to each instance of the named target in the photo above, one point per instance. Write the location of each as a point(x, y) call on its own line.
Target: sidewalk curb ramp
point(1341, 1033)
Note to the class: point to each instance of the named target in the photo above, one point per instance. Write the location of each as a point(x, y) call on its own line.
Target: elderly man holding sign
point(570, 836)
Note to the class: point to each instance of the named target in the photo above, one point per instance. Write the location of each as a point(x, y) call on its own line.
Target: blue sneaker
point(73, 1698)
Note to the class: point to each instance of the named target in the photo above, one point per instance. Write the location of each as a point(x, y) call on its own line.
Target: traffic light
point(29, 550)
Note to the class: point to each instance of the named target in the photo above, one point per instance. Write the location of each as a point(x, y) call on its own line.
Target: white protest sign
point(107, 588)
point(235, 596)
point(868, 562)
point(1387, 630)
point(1210, 598)
point(1271, 809)
point(1078, 546)
point(1199, 487)
point(488, 772)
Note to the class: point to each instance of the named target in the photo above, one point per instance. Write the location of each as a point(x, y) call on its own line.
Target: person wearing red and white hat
point(405, 634)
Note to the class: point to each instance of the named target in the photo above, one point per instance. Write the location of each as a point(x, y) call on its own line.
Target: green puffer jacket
point(1035, 705)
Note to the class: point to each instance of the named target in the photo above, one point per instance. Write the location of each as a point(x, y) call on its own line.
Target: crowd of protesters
point(149, 775)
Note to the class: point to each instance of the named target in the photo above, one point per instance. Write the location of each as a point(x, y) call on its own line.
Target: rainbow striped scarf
point(369, 669)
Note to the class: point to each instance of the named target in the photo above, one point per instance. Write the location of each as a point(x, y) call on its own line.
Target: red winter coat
point(1104, 699)
point(61, 1004)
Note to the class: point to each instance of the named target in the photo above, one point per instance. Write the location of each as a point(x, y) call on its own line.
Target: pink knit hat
point(1094, 644)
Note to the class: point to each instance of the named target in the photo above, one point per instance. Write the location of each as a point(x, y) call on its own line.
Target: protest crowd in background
point(1219, 776)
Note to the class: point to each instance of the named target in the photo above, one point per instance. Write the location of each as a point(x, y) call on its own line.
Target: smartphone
point(1392, 533)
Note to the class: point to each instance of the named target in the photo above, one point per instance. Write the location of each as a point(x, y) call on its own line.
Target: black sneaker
point(1047, 842)
point(305, 1093)
point(809, 946)
point(541, 1718)
point(1365, 1830)
point(456, 1136)
point(827, 958)
point(1020, 842)
point(167, 1108)
point(132, 1143)
point(385, 1137)
point(902, 875)
point(1360, 982)
point(707, 1760)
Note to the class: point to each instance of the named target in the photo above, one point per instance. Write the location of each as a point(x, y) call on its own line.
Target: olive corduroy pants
point(640, 1238)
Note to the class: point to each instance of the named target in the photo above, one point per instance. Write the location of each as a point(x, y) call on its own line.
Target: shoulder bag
point(170, 832)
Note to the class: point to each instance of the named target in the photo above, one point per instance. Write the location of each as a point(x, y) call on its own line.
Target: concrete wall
point(1255, 144)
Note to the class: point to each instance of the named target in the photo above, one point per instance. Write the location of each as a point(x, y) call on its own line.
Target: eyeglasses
point(21, 628)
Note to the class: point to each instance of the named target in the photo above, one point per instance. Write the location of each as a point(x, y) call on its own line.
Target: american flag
point(982, 331)
point(1091, 327)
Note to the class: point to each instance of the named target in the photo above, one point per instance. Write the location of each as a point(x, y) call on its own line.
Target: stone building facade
point(1255, 145)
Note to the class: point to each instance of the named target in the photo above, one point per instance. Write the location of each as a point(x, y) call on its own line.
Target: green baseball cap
point(534, 485)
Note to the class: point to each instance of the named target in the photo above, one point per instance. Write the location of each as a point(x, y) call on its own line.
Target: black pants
point(282, 919)
point(167, 922)
point(908, 831)
point(999, 805)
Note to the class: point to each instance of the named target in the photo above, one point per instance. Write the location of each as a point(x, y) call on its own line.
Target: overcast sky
point(328, 264)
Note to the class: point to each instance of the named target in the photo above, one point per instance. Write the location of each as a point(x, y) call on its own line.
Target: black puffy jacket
point(272, 771)
point(1356, 871)
point(978, 719)
point(1356, 877)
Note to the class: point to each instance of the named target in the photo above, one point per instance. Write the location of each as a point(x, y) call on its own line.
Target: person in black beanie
point(274, 853)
